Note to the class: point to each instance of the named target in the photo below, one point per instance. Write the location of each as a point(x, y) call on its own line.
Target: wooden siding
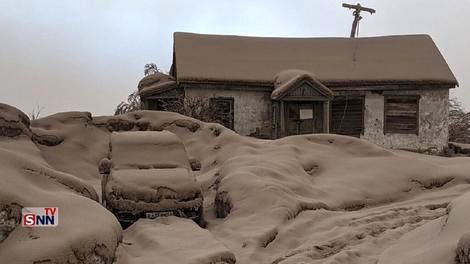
point(305, 90)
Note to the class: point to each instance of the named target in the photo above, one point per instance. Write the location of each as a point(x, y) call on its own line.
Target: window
point(152, 104)
point(347, 115)
point(401, 114)
point(222, 108)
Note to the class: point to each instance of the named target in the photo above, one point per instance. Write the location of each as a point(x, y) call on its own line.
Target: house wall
point(433, 121)
point(252, 108)
point(253, 114)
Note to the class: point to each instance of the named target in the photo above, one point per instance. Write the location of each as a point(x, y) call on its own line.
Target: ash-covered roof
point(378, 60)
point(155, 83)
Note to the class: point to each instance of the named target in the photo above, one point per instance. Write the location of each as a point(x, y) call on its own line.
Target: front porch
point(301, 104)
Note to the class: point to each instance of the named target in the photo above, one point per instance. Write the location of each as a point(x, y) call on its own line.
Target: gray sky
point(89, 55)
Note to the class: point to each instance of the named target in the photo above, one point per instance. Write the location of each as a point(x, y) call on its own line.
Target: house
point(391, 90)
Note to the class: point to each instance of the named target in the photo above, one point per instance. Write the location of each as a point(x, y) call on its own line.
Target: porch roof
point(288, 80)
point(156, 83)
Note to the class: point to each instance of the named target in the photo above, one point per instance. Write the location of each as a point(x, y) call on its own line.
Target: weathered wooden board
point(347, 116)
point(401, 115)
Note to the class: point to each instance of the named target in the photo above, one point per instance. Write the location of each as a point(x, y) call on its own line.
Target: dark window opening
point(222, 108)
point(347, 116)
point(401, 114)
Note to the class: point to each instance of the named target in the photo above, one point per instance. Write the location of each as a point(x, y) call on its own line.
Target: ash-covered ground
point(300, 199)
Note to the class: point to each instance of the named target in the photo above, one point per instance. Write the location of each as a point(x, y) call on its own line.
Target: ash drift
point(312, 198)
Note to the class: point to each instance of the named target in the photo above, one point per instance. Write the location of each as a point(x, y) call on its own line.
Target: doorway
point(303, 117)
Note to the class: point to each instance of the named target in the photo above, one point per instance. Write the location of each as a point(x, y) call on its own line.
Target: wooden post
point(283, 120)
point(326, 117)
point(357, 16)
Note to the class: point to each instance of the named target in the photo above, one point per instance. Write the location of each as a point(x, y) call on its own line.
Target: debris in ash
point(195, 164)
point(10, 216)
point(223, 204)
point(462, 253)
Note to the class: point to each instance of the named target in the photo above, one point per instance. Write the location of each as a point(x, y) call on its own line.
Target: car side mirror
point(195, 164)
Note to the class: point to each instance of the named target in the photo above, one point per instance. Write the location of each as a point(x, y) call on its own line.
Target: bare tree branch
point(36, 112)
point(150, 68)
point(198, 108)
point(133, 104)
point(459, 122)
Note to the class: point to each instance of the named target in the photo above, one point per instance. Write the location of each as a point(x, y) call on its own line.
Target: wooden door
point(303, 118)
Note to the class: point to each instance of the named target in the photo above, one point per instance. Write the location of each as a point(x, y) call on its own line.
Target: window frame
point(386, 128)
point(232, 108)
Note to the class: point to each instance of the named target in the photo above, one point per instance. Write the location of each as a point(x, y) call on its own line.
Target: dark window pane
point(222, 109)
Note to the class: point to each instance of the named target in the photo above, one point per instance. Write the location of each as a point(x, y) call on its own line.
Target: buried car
point(149, 175)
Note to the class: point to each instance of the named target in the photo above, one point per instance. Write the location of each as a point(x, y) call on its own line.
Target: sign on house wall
point(306, 114)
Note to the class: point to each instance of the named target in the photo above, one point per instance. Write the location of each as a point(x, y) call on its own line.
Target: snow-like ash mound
point(87, 233)
point(301, 199)
point(171, 240)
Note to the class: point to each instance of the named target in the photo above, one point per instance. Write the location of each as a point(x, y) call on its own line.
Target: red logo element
point(29, 219)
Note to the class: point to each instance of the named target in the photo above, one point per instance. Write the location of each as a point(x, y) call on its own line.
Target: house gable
point(299, 85)
point(305, 90)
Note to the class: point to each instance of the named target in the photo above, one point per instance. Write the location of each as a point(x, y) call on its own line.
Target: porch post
point(283, 121)
point(326, 116)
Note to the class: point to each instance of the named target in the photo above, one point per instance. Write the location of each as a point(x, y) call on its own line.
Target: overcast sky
point(89, 55)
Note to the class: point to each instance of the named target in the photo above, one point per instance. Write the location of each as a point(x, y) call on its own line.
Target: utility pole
point(357, 16)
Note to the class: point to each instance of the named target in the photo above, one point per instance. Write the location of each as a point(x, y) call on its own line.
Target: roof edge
point(183, 33)
point(328, 83)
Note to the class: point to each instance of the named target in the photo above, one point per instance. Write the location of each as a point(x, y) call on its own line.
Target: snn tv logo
point(40, 216)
